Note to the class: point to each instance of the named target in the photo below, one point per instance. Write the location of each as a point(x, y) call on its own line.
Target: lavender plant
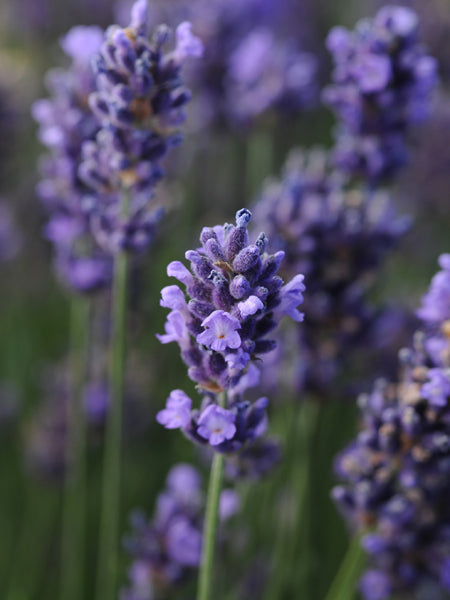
point(166, 551)
point(235, 299)
point(339, 238)
point(383, 80)
point(138, 99)
point(66, 122)
point(396, 470)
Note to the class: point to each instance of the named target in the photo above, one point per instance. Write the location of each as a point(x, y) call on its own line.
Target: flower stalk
point(211, 522)
point(109, 520)
point(74, 510)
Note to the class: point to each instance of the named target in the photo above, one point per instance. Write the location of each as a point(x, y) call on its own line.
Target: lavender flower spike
point(383, 82)
point(166, 549)
point(397, 470)
point(139, 101)
point(234, 299)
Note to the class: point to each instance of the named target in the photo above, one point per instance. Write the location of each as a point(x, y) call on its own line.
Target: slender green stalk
point(210, 528)
point(74, 508)
point(343, 586)
point(300, 540)
point(109, 518)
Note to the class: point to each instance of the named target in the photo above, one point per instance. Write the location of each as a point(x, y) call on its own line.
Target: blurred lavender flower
point(397, 469)
point(47, 449)
point(383, 82)
point(338, 239)
point(236, 299)
point(66, 121)
point(167, 549)
point(264, 73)
point(139, 101)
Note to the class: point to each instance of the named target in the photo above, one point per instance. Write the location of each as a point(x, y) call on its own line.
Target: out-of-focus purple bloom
point(396, 471)
point(264, 73)
point(65, 122)
point(383, 82)
point(375, 585)
point(229, 505)
point(81, 43)
point(436, 303)
point(96, 402)
point(255, 461)
point(338, 238)
point(139, 101)
point(177, 412)
point(437, 388)
point(167, 549)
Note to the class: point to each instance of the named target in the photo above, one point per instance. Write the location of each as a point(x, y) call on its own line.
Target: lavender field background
point(344, 163)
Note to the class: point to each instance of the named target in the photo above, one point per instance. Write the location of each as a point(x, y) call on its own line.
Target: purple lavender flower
point(66, 122)
point(177, 412)
point(338, 238)
point(235, 299)
point(216, 424)
point(383, 81)
point(396, 472)
point(436, 303)
point(220, 331)
point(167, 549)
point(264, 73)
point(139, 102)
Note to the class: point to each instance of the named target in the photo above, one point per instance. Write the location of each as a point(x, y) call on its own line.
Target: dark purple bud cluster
point(397, 471)
point(139, 101)
point(66, 122)
point(167, 549)
point(235, 299)
point(338, 239)
point(383, 81)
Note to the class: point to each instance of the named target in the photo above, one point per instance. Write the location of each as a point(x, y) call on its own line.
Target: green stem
point(343, 586)
point(109, 518)
point(74, 509)
point(210, 528)
point(300, 542)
